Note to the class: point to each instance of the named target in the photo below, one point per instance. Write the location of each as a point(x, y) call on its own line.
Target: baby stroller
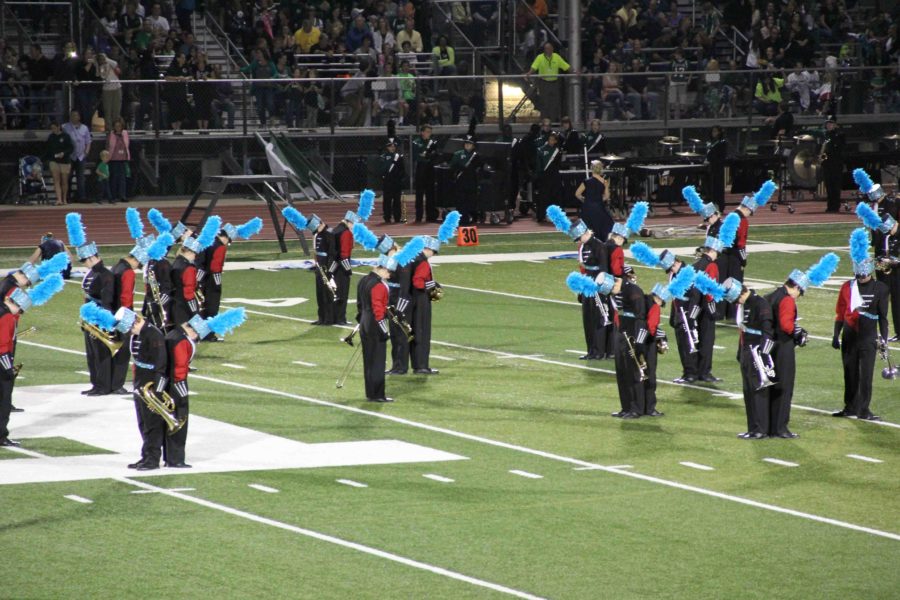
point(32, 186)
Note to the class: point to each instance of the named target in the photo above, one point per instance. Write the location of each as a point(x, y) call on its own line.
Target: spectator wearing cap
point(409, 34)
point(548, 65)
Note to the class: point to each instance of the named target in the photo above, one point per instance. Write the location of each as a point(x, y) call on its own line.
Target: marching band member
point(400, 284)
point(15, 280)
point(324, 259)
point(185, 303)
point(426, 290)
point(424, 148)
point(11, 309)
point(549, 182)
point(464, 165)
point(157, 307)
point(592, 259)
point(98, 287)
point(594, 140)
point(372, 297)
point(343, 241)
point(615, 255)
point(211, 263)
point(885, 240)
point(788, 335)
point(392, 175)
point(832, 158)
point(860, 313)
point(179, 232)
point(30, 274)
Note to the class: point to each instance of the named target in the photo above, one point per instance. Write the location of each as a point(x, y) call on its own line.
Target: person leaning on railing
point(548, 65)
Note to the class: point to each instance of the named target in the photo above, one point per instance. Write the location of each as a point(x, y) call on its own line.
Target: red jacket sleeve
point(421, 275)
point(7, 332)
point(345, 245)
point(712, 269)
point(217, 263)
point(653, 318)
point(183, 352)
point(740, 242)
point(189, 281)
point(842, 310)
point(126, 296)
point(379, 301)
point(787, 315)
point(617, 262)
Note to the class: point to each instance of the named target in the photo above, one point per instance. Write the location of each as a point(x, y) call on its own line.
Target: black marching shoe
point(394, 372)
point(147, 466)
point(121, 392)
point(96, 392)
point(684, 380)
point(385, 399)
point(588, 356)
point(426, 371)
point(710, 379)
point(16, 409)
point(895, 338)
point(655, 413)
point(744, 435)
point(617, 415)
point(88, 392)
point(631, 415)
point(8, 442)
point(342, 322)
point(788, 435)
point(316, 322)
point(842, 413)
point(135, 465)
point(179, 465)
point(756, 436)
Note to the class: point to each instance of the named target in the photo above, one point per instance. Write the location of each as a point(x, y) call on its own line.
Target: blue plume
point(364, 237)
point(729, 229)
point(210, 230)
point(558, 217)
point(97, 315)
point(863, 180)
point(366, 204)
point(410, 251)
point(822, 270)
point(693, 198)
point(644, 254)
point(227, 321)
point(682, 282)
point(709, 286)
point(448, 228)
point(250, 228)
point(135, 227)
point(859, 245)
point(75, 229)
point(294, 217)
point(636, 219)
point(160, 247)
point(54, 264)
point(868, 216)
point(582, 284)
point(764, 193)
point(160, 223)
point(46, 289)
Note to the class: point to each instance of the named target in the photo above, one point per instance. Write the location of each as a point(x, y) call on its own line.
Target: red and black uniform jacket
point(123, 276)
point(179, 352)
point(326, 253)
point(654, 315)
point(756, 325)
point(184, 285)
point(8, 323)
point(870, 317)
point(162, 269)
point(690, 307)
point(99, 286)
point(707, 265)
point(212, 262)
point(148, 352)
point(592, 257)
point(616, 259)
point(422, 279)
point(632, 313)
point(784, 315)
point(372, 297)
point(400, 284)
point(343, 241)
point(884, 244)
point(8, 285)
point(740, 239)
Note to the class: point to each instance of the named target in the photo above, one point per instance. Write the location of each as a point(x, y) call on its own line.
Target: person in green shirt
point(464, 174)
point(103, 177)
point(407, 85)
point(768, 95)
point(548, 65)
point(445, 57)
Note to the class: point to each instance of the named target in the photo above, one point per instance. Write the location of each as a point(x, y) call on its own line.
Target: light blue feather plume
point(729, 229)
point(226, 322)
point(582, 284)
point(210, 230)
point(682, 282)
point(95, 314)
point(644, 254)
point(160, 247)
point(77, 236)
point(859, 244)
point(868, 216)
point(410, 251)
point(822, 270)
point(366, 204)
point(364, 237)
point(709, 286)
point(559, 219)
point(250, 228)
point(863, 180)
point(135, 227)
point(294, 217)
point(448, 228)
point(159, 221)
point(693, 198)
point(56, 263)
point(46, 289)
point(764, 193)
point(638, 214)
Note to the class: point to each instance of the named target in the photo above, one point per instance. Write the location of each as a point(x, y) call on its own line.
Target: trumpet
point(329, 283)
point(348, 339)
point(765, 369)
point(164, 406)
point(886, 264)
point(104, 337)
point(400, 322)
point(639, 361)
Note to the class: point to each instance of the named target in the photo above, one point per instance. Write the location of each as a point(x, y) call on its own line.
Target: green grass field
point(613, 514)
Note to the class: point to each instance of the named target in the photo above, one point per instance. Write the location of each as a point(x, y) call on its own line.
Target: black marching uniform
point(123, 276)
point(757, 330)
point(656, 336)
point(148, 348)
point(180, 349)
point(341, 270)
point(400, 285)
point(595, 142)
point(706, 319)
point(787, 335)
point(716, 154)
point(833, 167)
point(595, 313)
point(464, 170)
point(323, 242)
point(423, 157)
point(371, 303)
point(99, 287)
point(420, 307)
point(392, 174)
point(158, 313)
point(211, 263)
point(184, 288)
point(683, 320)
point(632, 327)
point(886, 245)
point(50, 248)
point(570, 141)
point(549, 181)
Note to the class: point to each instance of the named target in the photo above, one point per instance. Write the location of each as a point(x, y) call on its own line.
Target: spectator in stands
point(39, 72)
point(548, 65)
point(484, 23)
point(147, 97)
point(119, 148)
point(110, 21)
point(444, 57)
point(108, 70)
point(143, 39)
point(353, 92)
point(409, 34)
point(383, 37)
point(81, 148)
point(387, 94)
point(628, 14)
point(678, 82)
point(406, 53)
point(203, 91)
point(799, 83)
point(58, 152)
point(466, 92)
point(160, 23)
point(613, 93)
point(130, 22)
point(313, 101)
point(293, 101)
point(407, 86)
point(238, 24)
point(366, 49)
point(222, 102)
point(187, 45)
point(357, 33)
point(183, 11)
point(175, 91)
point(643, 101)
point(768, 94)
point(307, 36)
point(263, 93)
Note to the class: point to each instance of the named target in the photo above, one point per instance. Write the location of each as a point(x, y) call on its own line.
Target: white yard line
point(781, 463)
point(868, 459)
point(233, 366)
point(262, 488)
point(323, 537)
point(600, 468)
point(186, 489)
point(352, 483)
point(439, 357)
point(697, 466)
point(79, 499)
point(526, 474)
point(440, 478)
point(25, 451)
point(304, 363)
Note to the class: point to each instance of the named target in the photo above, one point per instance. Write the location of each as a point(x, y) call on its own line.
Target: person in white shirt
point(160, 23)
point(112, 89)
point(110, 21)
point(802, 82)
point(81, 141)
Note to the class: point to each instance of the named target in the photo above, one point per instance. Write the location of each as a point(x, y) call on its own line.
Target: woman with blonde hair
point(594, 196)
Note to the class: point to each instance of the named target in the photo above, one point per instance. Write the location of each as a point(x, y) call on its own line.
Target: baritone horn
point(886, 264)
point(163, 405)
point(104, 337)
point(436, 293)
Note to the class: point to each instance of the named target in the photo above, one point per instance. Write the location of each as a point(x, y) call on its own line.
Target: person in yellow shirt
point(768, 94)
point(628, 13)
point(445, 57)
point(548, 65)
point(307, 36)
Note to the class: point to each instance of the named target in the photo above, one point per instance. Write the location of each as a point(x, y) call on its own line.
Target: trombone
point(25, 332)
point(349, 366)
point(163, 405)
point(348, 339)
point(104, 337)
point(400, 322)
point(159, 319)
point(765, 369)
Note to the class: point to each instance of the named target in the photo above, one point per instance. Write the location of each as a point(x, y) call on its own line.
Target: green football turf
point(511, 398)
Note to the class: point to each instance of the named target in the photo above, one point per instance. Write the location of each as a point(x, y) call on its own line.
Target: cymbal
point(895, 137)
point(805, 167)
point(804, 138)
point(692, 141)
point(612, 157)
point(670, 140)
point(687, 154)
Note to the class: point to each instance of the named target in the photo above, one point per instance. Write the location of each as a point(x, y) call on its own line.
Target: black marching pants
point(756, 402)
point(120, 363)
point(392, 197)
point(420, 347)
point(342, 279)
point(651, 356)
point(865, 367)
point(6, 389)
point(782, 393)
point(324, 300)
point(175, 443)
point(833, 177)
point(374, 352)
point(706, 331)
point(99, 364)
point(631, 389)
point(850, 361)
point(594, 326)
point(892, 280)
point(689, 360)
point(425, 193)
